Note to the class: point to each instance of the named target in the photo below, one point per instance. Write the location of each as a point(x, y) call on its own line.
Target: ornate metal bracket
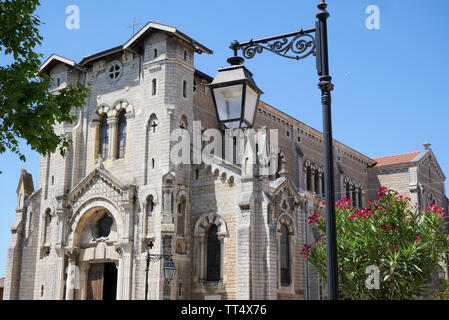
point(296, 45)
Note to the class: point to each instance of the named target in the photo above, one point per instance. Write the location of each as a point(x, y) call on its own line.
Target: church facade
point(84, 231)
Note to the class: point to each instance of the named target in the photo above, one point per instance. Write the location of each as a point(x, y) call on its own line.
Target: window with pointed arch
point(104, 137)
point(317, 182)
point(153, 87)
point(309, 179)
point(149, 208)
point(121, 135)
point(213, 263)
point(181, 216)
point(285, 256)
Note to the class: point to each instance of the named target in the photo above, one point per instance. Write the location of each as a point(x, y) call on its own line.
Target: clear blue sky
point(390, 84)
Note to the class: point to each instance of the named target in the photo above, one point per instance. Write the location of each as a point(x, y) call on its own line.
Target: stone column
point(312, 182)
point(120, 275)
point(125, 270)
point(202, 259)
point(73, 276)
point(221, 238)
point(112, 124)
point(61, 216)
point(93, 144)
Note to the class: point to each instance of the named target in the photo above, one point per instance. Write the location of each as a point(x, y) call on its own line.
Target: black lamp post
point(235, 109)
point(169, 266)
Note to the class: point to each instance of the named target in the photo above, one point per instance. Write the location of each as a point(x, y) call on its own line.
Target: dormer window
point(114, 71)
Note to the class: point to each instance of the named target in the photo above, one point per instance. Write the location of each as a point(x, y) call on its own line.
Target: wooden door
point(95, 282)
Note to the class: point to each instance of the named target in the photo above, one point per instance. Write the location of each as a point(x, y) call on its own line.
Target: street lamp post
point(169, 266)
point(296, 45)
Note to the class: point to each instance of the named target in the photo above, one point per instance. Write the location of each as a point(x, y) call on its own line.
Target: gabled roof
point(162, 27)
point(398, 158)
point(150, 26)
point(142, 33)
point(53, 60)
point(98, 171)
point(99, 55)
point(284, 182)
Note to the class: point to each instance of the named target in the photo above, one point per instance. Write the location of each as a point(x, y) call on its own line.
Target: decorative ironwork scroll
point(295, 46)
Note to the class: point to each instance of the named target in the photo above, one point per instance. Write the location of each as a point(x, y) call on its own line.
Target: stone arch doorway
point(96, 254)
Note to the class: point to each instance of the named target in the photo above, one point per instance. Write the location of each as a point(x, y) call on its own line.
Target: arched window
point(185, 55)
point(104, 138)
point(121, 135)
point(348, 191)
point(285, 256)
point(181, 215)
point(353, 197)
point(309, 179)
point(47, 226)
point(213, 254)
point(103, 226)
point(184, 89)
point(322, 185)
point(317, 182)
point(360, 204)
point(149, 208)
point(155, 53)
point(153, 87)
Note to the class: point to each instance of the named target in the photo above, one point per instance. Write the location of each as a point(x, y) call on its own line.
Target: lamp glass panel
point(232, 124)
point(169, 271)
point(250, 104)
point(229, 102)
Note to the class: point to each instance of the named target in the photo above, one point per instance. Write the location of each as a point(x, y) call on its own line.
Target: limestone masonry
point(83, 232)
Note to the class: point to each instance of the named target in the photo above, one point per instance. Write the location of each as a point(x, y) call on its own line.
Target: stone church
point(232, 233)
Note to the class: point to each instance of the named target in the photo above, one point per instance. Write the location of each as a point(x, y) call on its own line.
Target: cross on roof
point(134, 25)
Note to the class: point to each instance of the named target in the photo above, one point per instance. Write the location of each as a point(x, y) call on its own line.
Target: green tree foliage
point(28, 108)
point(406, 244)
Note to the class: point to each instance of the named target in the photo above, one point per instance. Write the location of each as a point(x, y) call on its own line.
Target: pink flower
point(418, 239)
point(305, 251)
point(314, 218)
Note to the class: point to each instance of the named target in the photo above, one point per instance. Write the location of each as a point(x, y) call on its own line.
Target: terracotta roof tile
point(396, 159)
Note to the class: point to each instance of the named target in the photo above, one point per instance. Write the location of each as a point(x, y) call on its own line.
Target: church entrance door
point(102, 281)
